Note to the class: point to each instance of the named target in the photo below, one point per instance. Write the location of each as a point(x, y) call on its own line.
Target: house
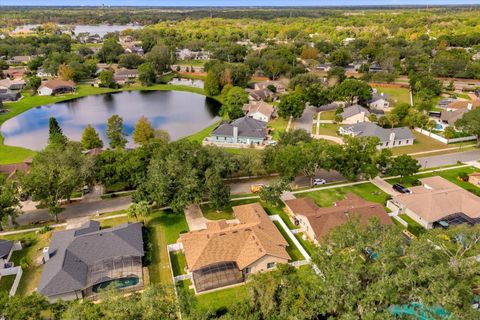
point(15, 72)
point(225, 254)
point(187, 54)
point(16, 84)
point(261, 95)
point(243, 130)
point(389, 138)
point(259, 110)
point(438, 202)
point(135, 49)
point(375, 67)
point(9, 95)
point(10, 170)
point(6, 249)
point(443, 103)
point(122, 75)
point(379, 101)
point(474, 178)
point(317, 222)
point(354, 114)
point(42, 73)
point(462, 104)
point(52, 87)
point(324, 67)
point(278, 85)
point(81, 261)
point(450, 117)
point(20, 60)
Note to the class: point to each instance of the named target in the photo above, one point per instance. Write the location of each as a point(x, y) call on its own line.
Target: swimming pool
point(117, 283)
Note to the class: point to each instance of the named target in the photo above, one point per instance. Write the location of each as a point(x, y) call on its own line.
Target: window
point(399, 142)
point(248, 270)
point(270, 265)
point(406, 142)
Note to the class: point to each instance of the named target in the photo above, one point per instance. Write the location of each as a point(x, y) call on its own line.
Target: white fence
point(278, 219)
point(10, 272)
point(442, 139)
point(183, 277)
point(299, 263)
point(175, 247)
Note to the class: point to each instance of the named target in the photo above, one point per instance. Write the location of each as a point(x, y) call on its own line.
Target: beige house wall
point(418, 219)
point(261, 264)
point(358, 118)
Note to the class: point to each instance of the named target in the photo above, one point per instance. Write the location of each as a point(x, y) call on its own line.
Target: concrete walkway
point(384, 186)
point(195, 218)
point(331, 138)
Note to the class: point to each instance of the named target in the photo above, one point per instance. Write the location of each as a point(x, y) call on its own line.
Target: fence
point(278, 219)
point(442, 139)
point(18, 272)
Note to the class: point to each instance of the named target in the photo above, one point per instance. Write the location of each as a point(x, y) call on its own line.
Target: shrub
point(25, 262)
point(45, 229)
point(463, 176)
point(416, 182)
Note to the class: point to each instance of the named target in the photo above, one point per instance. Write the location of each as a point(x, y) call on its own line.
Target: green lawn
point(329, 129)
point(178, 263)
point(450, 175)
point(327, 115)
point(277, 125)
point(422, 143)
point(166, 226)
point(201, 135)
point(328, 197)
point(308, 245)
point(396, 95)
point(195, 63)
point(413, 226)
point(225, 298)
point(292, 249)
point(33, 245)
point(210, 213)
point(6, 283)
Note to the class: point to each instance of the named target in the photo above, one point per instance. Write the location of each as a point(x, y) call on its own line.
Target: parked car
point(256, 187)
point(318, 181)
point(398, 187)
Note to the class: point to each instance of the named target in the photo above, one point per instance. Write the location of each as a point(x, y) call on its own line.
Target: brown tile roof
point(11, 169)
point(451, 117)
point(323, 220)
point(253, 238)
point(461, 104)
point(53, 84)
point(259, 106)
point(438, 198)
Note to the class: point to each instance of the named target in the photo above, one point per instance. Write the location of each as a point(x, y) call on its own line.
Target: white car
point(318, 182)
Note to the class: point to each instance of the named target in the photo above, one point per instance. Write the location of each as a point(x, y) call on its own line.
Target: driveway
point(384, 186)
point(195, 218)
point(449, 159)
point(76, 210)
point(305, 122)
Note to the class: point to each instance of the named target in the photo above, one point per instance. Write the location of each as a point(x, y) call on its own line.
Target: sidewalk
point(384, 186)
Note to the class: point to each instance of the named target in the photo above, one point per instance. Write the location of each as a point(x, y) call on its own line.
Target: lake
point(179, 113)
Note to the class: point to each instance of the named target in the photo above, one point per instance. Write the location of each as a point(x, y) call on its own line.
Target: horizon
point(238, 3)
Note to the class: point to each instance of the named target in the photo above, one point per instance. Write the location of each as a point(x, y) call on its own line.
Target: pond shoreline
point(12, 154)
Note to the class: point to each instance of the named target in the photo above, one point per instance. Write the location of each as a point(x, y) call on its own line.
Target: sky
point(234, 2)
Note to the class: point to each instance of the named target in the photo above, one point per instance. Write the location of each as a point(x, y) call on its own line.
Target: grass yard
point(413, 226)
point(195, 63)
point(327, 115)
point(166, 226)
point(225, 298)
point(201, 135)
point(308, 245)
point(422, 143)
point(178, 263)
point(292, 249)
point(277, 125)
point(211, 214)
point(6, 283)
point(450, 175)
point(29, 256)
point(329, 129)
point(396, 95)
point(327, 198)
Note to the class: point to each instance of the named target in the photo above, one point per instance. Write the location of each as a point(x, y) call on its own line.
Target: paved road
point(449, 159)
point(305, 122)
point(76, 210)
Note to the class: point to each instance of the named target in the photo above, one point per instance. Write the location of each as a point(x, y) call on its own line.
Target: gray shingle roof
point(376, 97)
point(5, 248)
point(368, 129)
point(247, 127)
point(73, 251)
point(354, 110)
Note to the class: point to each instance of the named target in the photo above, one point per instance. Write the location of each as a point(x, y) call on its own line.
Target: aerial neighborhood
point(239, 162)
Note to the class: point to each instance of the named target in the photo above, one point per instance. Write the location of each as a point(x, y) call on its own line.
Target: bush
point(416, 182)
point(45, 229)
point(25, 262)
point(463, 176)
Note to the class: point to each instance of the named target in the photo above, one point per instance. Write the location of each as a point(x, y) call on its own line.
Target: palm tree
point(137, 210)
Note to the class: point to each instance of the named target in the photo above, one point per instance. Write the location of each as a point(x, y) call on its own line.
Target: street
point(449, 159)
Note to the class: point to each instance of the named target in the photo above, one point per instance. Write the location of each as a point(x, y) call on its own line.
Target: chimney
point(469, 106)
point(235, 134)
point(46, 254)
point(382, 94)
point(392, 136)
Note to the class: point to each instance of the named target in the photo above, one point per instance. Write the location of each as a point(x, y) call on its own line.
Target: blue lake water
point(179, 113)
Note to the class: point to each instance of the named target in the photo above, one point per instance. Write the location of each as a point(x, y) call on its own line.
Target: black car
point(398, 187)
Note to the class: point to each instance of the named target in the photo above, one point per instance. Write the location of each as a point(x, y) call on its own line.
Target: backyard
point(277, 125)
point(328, 129)
point(397, 95)
point(328, 197)
point(6, 283)
point(292, 249)
point(422, 143)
